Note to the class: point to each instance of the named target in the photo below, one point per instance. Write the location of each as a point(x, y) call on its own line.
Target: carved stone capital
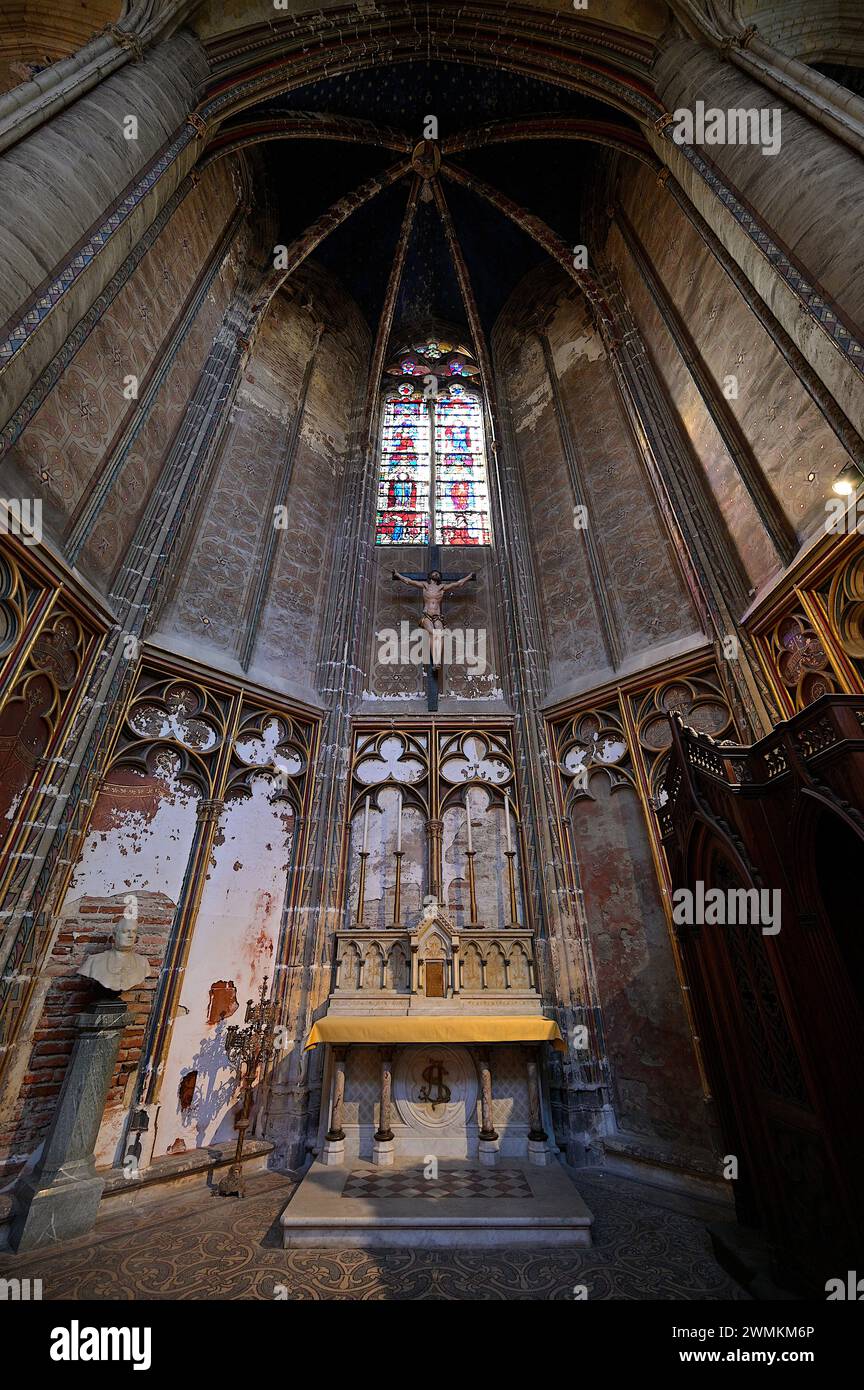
point(124, 39)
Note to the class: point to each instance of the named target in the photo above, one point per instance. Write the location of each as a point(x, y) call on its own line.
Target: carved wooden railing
point(808, 748)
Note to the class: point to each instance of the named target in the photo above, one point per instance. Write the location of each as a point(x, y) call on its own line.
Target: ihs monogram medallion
point(434, 1075)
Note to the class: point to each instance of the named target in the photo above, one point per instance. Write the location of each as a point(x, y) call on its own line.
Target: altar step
point(468, 1205)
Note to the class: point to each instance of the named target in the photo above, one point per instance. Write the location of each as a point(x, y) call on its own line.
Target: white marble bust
point(119, 968)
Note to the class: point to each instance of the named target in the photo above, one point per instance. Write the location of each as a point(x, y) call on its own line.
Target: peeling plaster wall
point(138, 843)
point(787, 434)
point(236, 935)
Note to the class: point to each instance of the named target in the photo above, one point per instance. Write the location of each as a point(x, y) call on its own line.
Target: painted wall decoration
point(609, 760)
point(610, 585)
point(808, 633)
point(156, 328)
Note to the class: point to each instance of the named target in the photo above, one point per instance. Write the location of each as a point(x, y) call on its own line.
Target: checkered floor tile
point(472, 1182)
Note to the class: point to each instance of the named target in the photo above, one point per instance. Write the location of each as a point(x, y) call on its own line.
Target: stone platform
point(467, 1205)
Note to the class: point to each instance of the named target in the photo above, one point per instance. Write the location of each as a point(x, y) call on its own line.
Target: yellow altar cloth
point(436, 1028)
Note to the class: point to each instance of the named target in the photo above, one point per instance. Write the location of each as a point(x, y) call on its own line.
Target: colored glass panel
point(403, 480)
point(461, 501)
point(461, 496)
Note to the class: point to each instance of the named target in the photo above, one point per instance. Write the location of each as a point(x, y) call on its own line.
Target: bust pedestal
point(61, 1197)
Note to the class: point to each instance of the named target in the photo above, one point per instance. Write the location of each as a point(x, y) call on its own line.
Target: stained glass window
point(461, 501)
point(403, 481)
point(432, 447)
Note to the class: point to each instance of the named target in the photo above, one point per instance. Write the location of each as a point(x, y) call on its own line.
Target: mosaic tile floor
point(492, 1183)
point(200, 1246)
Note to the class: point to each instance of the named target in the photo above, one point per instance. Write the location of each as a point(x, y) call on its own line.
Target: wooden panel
point(435, 979)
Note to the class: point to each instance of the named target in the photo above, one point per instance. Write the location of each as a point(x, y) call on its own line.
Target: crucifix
point(435, 585)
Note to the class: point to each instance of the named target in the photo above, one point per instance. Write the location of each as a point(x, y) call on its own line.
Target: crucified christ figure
point(434, 590)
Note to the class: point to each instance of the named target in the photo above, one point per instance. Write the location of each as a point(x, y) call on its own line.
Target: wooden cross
point(433, 562)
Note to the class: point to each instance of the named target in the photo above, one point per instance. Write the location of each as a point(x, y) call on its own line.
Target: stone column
point(415, 962)
point(435, 831)
point(488, 1143)
point(334, 1139)
point(537, 1136)
point(61, 1197)
point(382, 1151)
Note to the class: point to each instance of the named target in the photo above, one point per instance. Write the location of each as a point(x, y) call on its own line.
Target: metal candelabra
point(249, 1050)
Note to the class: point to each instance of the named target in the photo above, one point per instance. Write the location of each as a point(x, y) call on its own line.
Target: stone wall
point(46, 206)
point(792, 444)
point(90, 421)
point(288, 634)
point(808, 193)
point(34, 36)
point(471, 617)
point(211, 597)
point(647, 600)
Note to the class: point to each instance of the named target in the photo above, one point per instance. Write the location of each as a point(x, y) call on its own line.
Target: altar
point(432, 1037)
point(435, 1130)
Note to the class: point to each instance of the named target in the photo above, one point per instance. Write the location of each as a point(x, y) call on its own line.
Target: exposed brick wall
point(86, 931)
